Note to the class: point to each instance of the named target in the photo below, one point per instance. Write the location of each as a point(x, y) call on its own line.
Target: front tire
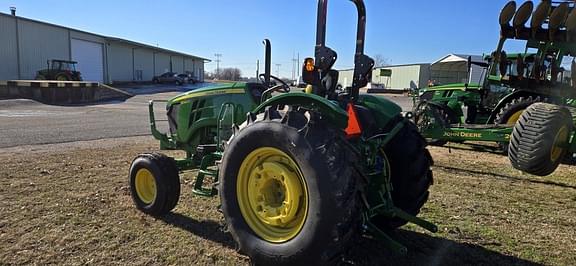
point(154, 183)
point(288, 189)
point(539, 139)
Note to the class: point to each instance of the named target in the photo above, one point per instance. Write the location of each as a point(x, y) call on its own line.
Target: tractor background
point(514, 81)
point(62, 70)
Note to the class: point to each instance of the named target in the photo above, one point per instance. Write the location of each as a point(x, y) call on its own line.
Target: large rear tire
point(288, 189)
point(539, 139)
point(154, 183)
point(411, 175)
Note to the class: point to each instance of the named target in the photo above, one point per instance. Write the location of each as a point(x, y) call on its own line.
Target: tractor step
point(207, 160)
point(207, 148)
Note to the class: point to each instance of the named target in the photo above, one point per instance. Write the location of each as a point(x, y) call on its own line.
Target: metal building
point(453, 68)
point(397, 77)
point(26, 45)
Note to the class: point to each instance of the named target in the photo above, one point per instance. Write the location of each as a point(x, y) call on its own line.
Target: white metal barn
point(403, 77)
point(453, 68)
point(26, 45)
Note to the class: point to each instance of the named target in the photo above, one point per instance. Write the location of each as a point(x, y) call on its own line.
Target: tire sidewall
point(312, 237)
point(161, 190)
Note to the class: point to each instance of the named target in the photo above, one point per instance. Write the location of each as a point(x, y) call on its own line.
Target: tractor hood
point(220, 89)
point(454, 86)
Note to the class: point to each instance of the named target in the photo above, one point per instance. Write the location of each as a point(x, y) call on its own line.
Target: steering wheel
point(283, 87)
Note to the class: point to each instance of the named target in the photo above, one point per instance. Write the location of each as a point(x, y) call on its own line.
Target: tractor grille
point(197, 111)
point(172, 117)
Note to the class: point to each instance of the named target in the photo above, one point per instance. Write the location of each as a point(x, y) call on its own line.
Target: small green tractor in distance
point(299, 175)
point(61, 70)
point(494, 110)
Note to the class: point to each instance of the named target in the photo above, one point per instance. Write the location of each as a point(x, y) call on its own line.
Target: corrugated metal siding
point(403, 77)
point(162, 63)
point(120, 62)
point(8, 48)
point(345, 78)
point(39, 43)
point(177, 64)
point(144, 62)
point(189, 65)
point(86, 37)
point(200, 70)
point(448, 77)
point(424, 76)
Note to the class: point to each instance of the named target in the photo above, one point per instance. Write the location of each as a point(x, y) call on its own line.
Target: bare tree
point(230, 74)
point(380, 60)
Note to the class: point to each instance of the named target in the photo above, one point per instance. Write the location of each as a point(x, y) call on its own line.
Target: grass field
point(70, 204)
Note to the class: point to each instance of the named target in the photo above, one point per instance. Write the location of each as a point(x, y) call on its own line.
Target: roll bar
point(326, 57)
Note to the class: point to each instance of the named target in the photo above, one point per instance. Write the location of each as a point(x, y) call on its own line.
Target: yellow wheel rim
point(514, 117)
point(145, 186)
point(559, 142)
point(272, 195)
point(61, 78)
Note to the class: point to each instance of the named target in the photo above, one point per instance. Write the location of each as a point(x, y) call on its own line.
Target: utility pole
point(278, 70)
point(218, 64)
point(294, 66)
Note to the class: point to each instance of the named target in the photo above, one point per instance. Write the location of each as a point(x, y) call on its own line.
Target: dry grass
point(70, 204)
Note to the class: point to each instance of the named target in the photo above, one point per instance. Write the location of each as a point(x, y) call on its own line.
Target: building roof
point(456, 61)
point(109, 38)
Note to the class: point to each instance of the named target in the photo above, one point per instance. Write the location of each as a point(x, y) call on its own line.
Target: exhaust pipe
point(267, 62)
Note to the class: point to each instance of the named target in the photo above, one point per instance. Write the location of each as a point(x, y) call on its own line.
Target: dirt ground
point(70, 204)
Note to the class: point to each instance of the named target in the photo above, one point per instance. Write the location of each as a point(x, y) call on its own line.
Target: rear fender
point(383, 110)
point(508, 98)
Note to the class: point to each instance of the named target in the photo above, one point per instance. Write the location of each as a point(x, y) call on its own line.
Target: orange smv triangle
point(353, 129)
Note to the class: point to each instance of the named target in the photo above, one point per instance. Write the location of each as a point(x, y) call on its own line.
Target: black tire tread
point(512, 107)
point(411, 175)
point(328, 142)
point(532, 138)
point(169, 191)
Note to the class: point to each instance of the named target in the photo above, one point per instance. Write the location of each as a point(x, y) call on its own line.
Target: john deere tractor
point(62, 70)
point(299, 175)
point(488, 111)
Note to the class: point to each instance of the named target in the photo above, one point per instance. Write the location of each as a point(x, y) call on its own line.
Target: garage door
point(90, 59)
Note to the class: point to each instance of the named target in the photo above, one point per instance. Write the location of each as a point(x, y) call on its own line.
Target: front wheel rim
point(272, 195)
point(514, 117)
point(145, 186)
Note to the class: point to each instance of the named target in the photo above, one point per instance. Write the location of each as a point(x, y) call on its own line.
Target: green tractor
point(514, 81)
point(62, 70)
point(299, 175)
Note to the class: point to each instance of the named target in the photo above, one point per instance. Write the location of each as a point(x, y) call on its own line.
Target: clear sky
point(402, 31)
